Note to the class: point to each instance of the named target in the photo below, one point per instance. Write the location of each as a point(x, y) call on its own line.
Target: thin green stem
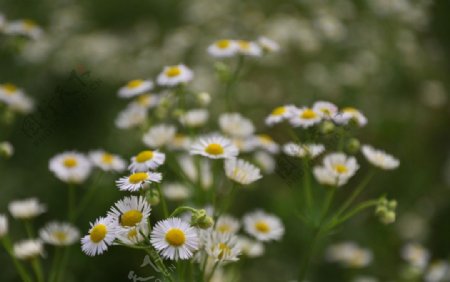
point(159, 263)
point(182, 209)
point(163, 201)
point(87, 197)
point(71, 202)
point(23, 273)
point(37, 267)
point(63, 265)
point(307, 261)
point(55, 264)
point(232, 81)
point(307, 184)
point(29, 228)
point(210, 276)
point(351, 213)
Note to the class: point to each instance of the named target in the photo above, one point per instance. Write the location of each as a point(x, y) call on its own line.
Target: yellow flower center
point(244, 44)
point(175, 237)
point(223, 44)
point(340, 168)
point(135, 83)
point(132, 234)
point(224, 250)
point(262, 226)
point(107, 158)
point(60, 236)
point(349, 110)
point(144, 156)
point(214, 149)
point(278, 111)
point(131, 218)
point(144, 100)
point(224, 228)
point(137, 177)
point(98, 233)
point(70, 162)
point(9, 88)
point(173, 71)
point(308, 114)
point(266, 139)
point(29, 24)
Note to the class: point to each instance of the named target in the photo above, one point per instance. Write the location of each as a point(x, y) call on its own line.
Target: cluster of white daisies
point(24, 27)
point(226, 48)
point(54, 233)
point(15, 98)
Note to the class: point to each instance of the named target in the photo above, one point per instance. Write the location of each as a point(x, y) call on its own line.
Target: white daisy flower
point(6, 149)
point(180, 142)
point(350, 114)
point(194, 118)
point(328, 110)
point(145, 101)
point(265, 161)
point(174, 239)
point(250, 248)
point(268, 45)
point(235, 125)
point(245, 145)
point(24, 27)
point(3, 225)
point(137, 180)
point(72, 167)
point(15, 98)
point(266, 142)
point(302, 150)
point(59, 233)
point(159, 135)
point(176, 191)
point(133, 235)
point(242, 171)
point(263, 226)
point(131, 116)
point(28, 249)
point(227, 224)
point(174, 75)
point(249, 48)
point(26, 209)
point(101, 235)
point(214, 147)
point(146, 160)
point(279, 114)
point(337, 169)
point(416, 255)
point(379, 158)
point(130, 212)
point(135, 87)
point(222, 247)
point(223, 48)
point(305, 117)
point(107, 161)
point(349, 254)
point(437, 271)
point(188, 167)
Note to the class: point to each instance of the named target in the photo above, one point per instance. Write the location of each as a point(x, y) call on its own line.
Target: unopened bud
point(388, 217)
point(327, 127)
point(152, 196)
point(204, 98)
point(6, 150)
point(201, 219)
point(353, 145)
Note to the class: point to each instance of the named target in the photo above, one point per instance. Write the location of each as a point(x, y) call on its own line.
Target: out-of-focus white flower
point(174, 239)
point(159, 135)
point(235, 125)
point(28, 249)
point(349, 254)
point(250, 248)
point(145, 101)
point(146, 160)
point(107, 161)
point(180, 142)
point(350, 114)
point(336, 170)
point(433, 94)
point(15, 98)
point(302, 150)
point(59, 233)
point(131, 116)
point(437, 271)
point(214, 147)
point(416, 255)
point(194, 118)
point(175, 75)
point(241, 171)
point(227, 224)
point(71, 167)
point(3, 225)
point(223, 48)
point(330, 27)
point(101, 235)
point(266, 142)
point(279, 114)
point(263, 226)
point(26, 209)
point(135, 87)
point(265, 161)
point(130, 212)
point(222, 247)
point(304, 117)
point(136, 181)
point(24, 27)
point(6, 149)
point(328, 110)
point(249, 48)
point(268, 45)
point(380, 158)
point(176, 191)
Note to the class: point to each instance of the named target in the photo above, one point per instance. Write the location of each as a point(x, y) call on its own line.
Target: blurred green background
point(382, 62)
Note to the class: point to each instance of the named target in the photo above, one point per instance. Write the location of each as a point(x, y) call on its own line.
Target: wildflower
point(135, 87)
point(379, 158)
point(159, 135)
point(71, 167)
point(235, 125)
point(107, 161)
point(279, 114)
point(250, 248)
point(223, 48)
point(266, 142)
point(24, 27)
point(249, 48)
point(180, 142)
point(15, 98)
point(26, 209)
point(132, 116)
point(263, 226)
point(175, 75)
point(194, 118)
point(133, 235)
point(305, 117)
point(350, 115)
point(176, 191)
point(268, 45)
point(3, 225)
point(146, 160)
point(303, 150)
point(6, 149)
point(145, 101)
point(416, 255)
point(174, 239)
point(337, 169)
point(222, 247)
point(130, 212)
point(101, 235)
point(328, 110)
point(349, 254)
point(28, 249)
point(214, 147)
point(59, 234)
point(265, 161)
point(437, 271)
point(227, 224)
point(136, 181)
point(241, 171)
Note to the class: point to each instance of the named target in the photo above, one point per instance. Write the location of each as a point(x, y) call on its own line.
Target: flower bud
point(388, 217)
point(201, 219)
point(203, 98)
point(327, 127)
point(223, 71)
point(6, 150)
point(353, 145)
point(152, 196)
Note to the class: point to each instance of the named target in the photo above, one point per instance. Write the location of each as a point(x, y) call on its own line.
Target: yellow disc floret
point(175, 237)
point(98, 233)
point(214, 149)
